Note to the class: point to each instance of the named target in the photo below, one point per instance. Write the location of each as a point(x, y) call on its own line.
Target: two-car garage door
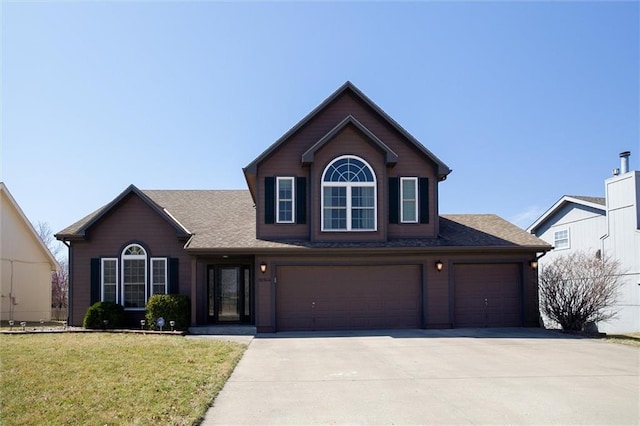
point(348, 297)
point(390, 296)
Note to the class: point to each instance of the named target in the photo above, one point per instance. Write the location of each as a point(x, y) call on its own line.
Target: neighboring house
point(339, 230)
point(27, 264)
point(608, 226)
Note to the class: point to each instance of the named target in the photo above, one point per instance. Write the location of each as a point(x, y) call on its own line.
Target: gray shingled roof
point(225, 220)
point(596, 200)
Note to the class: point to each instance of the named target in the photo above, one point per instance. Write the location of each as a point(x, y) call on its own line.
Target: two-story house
point(339, 229)
point(604, 226)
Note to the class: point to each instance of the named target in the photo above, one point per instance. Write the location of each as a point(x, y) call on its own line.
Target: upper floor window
point(349, 195)
point(134, 277)
point(285, 202)
point(409, 197)
point(561, 239)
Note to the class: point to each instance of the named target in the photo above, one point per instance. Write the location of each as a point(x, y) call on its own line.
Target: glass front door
point(229, 297)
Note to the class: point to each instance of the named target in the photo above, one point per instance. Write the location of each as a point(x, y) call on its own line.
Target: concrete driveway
point(494, 376)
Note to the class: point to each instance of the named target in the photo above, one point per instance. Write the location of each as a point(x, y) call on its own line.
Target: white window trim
point(166, 283)
point(568, 246)
point(102, 261)
point(350, 185)
point(293, 199)
point(415, 181)
point(146, 278)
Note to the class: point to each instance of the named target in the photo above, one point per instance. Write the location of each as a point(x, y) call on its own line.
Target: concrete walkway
point(495, 376)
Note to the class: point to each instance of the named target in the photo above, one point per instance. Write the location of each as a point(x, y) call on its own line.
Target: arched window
point(348, 195)
point(134, 277)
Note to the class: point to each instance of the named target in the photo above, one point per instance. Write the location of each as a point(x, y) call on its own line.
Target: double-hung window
point(285, 200)
point(561, 239)
point(409, 200)
point(158, 275)
point(348, 195)
point(109, 269)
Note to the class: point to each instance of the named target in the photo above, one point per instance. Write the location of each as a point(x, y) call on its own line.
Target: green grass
point(110, 379)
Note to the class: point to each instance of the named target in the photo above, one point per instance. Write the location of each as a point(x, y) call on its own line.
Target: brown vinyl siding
point(287, 161)
point(133, 221)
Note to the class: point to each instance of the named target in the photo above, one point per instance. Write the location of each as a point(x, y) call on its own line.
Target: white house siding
point(622, 241)
point(582, 222)
point(615, 230)
point(25, 277)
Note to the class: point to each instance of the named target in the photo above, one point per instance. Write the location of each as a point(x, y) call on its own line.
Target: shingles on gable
point(595, 200)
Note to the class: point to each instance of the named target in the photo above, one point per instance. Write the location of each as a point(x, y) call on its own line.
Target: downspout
point(70, 280)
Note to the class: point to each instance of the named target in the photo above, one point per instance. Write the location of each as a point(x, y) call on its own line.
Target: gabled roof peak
point(593, 202)
point(390, 156)
point(442, 169)
point(79, 231)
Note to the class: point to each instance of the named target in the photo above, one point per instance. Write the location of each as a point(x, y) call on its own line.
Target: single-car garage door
point(348, 297)
point(487, 295)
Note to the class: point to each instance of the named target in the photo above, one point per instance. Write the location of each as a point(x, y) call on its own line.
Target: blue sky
point(525, 101)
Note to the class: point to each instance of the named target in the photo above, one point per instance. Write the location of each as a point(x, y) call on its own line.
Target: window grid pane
point(134, 283)
point(109, 280)
point(409, 200)
point(409, 211)
point(349, 203)
point(561, 239)
point(159, 276)
point(285, 199)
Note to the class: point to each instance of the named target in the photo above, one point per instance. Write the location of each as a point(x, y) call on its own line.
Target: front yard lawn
point(106, 379)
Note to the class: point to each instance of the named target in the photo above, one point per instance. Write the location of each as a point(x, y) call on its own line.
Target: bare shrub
point(579, 288)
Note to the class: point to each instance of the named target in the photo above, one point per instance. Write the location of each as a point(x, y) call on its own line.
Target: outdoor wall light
point(439, 265)
point(533, 264)
point(263, 267)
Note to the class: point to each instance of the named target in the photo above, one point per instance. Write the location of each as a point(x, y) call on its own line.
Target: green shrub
point(171, 307)
point(101, 311)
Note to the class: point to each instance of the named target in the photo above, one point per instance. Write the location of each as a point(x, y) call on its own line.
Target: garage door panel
point(487, 295)
point(348, 297)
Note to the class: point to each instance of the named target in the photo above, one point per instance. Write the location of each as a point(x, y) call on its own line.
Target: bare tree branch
point(579, 288)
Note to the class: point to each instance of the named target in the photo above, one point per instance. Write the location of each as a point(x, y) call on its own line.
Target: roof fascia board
point(34, 234)
point(558, 205)
point(391, 157)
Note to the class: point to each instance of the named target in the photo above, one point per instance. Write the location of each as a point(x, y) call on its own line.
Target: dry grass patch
point(105, 379)
point(631, 339)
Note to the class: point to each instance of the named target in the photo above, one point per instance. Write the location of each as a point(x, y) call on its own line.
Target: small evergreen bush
point(171, 307)
point(100, 311)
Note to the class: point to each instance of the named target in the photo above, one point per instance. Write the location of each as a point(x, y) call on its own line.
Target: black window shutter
point(270, 199)
point(301, 200)
point(423, 195)
point(95, 280)
point(394, 199)
point(174, 276)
